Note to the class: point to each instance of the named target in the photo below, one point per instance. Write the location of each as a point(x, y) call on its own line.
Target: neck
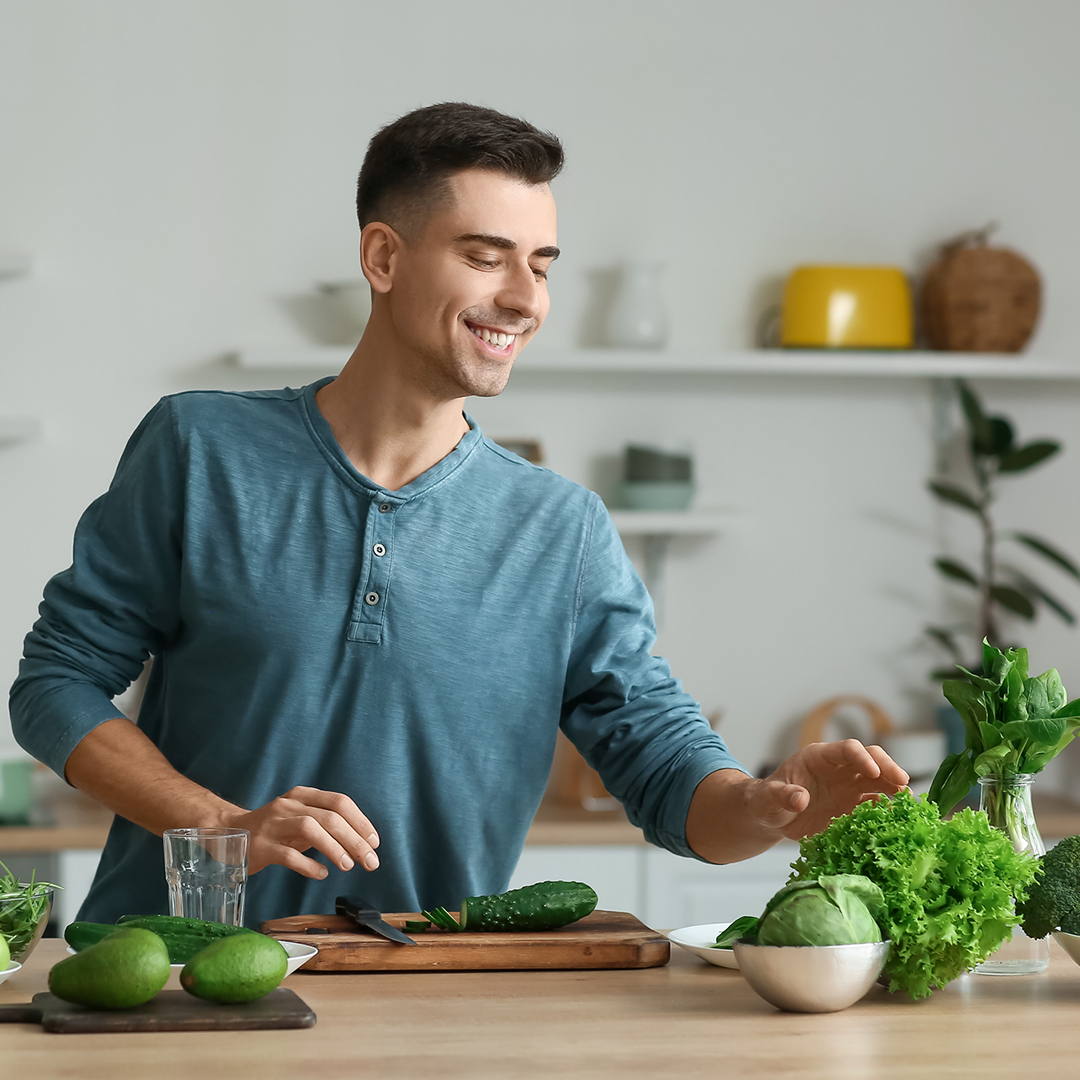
point(390, 426)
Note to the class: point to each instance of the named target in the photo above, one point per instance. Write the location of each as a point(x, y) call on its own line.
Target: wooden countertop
point(80, 823)
point(683, 1020)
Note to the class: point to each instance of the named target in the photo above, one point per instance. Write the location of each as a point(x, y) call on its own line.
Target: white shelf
point(823, 362)
point(672, 522)
point(15, 264)
point(915, 365)
point(18, 429)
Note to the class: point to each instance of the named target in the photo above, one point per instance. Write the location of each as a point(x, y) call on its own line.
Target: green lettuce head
point(837, 910)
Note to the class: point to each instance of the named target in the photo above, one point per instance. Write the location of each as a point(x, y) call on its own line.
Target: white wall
point(183, 174)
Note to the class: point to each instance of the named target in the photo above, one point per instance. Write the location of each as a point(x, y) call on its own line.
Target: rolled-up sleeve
point(622, 708)
point(113, 607)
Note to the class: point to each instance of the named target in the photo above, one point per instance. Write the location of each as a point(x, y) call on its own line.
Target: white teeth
point(500, 341)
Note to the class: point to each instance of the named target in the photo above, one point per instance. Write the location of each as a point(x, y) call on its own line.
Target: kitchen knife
point(352, 907)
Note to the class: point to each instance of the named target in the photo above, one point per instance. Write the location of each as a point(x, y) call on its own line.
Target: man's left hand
point(733, 816)
point(820, 782)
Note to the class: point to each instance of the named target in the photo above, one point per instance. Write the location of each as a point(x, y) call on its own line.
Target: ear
point(379, 248)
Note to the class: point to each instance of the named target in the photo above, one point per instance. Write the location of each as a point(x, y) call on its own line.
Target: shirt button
point(372, 598)
point(379, 549)
point(385, 508)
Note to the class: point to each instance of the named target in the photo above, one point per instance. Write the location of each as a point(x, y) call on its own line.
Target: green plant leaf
point(982, 437)
point(1048, 551)
point(996, 664)
point(944, 636)
point(1015, 704)
point(1001, 435)
point(995, 760)
point(1019, 659)
point(980, 681)
point(1044, 732)
point(952, 781)
point(1014, 601)
point(968, 702)
point(1069, 711)
point(1054, 688)
point(991, 736)
point(1034, 591)
point(951, 494)
point(957, 571)
point(1027, 457)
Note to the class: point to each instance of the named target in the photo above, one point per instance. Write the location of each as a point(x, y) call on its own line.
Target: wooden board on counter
point(602, 940)
point(171, 1010)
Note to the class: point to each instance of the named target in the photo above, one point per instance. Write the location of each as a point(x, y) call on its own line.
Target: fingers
point(775, 804)
point(339, 804)
point(890, 772)
point(306, 819)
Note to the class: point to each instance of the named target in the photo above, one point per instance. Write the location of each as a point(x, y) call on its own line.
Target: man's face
point(471, 291)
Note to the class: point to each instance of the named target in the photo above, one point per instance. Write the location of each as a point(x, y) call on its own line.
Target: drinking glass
point(206, 870)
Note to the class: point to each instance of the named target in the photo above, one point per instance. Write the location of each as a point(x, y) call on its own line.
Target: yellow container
point(847, 307)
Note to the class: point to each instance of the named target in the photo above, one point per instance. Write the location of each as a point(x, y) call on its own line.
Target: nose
point(520, 291)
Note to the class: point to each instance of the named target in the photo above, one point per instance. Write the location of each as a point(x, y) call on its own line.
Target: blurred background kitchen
point(176, 192)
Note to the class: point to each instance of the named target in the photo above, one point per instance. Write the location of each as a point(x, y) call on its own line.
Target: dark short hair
point(408, 164)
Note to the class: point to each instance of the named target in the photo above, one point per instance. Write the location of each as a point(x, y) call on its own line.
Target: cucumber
point(543, 906)
point(80, 935)
point(183, 937)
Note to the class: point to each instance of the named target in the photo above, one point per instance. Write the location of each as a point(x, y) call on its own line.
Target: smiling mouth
point(497, 340)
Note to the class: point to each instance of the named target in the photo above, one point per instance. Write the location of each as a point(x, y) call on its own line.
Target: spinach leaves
point(1013, 724)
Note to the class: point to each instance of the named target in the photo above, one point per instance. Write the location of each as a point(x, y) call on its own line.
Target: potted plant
point(990, 451)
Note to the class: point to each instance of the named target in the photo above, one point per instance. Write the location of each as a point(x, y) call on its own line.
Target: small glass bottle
point(1007, 802)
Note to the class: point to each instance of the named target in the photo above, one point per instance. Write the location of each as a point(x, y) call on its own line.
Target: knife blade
point(363, 914)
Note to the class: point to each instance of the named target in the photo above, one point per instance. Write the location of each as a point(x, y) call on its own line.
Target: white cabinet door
point(614, 871)
point(685, 892)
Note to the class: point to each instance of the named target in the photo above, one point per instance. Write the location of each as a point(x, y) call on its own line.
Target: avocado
point(5, 954)
point(121, 971)
point(239, 968)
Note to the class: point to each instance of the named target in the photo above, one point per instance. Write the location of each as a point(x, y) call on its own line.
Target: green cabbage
point(831, 910)
point(949, 886)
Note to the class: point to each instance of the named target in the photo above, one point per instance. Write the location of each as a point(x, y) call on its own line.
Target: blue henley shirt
point(415, 649)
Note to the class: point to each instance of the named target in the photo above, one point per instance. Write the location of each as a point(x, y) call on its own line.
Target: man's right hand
point(117, 765)
point(307, 818)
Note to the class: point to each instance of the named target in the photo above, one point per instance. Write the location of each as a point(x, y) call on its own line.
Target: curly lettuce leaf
point(949, 886)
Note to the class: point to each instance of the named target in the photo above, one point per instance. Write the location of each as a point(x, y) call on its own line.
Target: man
point(368, 621)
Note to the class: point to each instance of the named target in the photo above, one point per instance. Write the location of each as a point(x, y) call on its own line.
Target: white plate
point(12, 968)
point(697, 939)
point(299, 955)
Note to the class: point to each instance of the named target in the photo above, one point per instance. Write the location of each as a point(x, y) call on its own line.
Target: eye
point(540, 273)
point(484, 264)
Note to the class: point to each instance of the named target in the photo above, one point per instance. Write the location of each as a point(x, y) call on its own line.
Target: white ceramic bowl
point(9, 971)
point(697, 939)
point(299, 954)
point(811, 978)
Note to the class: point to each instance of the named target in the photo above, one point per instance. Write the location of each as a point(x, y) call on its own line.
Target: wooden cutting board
point(604, 939)
point(171, 1010)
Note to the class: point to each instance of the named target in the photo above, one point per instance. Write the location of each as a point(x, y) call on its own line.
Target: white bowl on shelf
point(9, 971)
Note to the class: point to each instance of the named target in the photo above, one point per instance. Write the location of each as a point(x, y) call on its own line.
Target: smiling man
point(368, 622)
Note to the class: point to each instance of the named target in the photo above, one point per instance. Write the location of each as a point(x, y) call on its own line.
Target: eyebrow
point(503, 242)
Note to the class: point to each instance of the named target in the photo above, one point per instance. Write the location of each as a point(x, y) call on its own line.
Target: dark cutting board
point(604, 939)
point(171, 1010)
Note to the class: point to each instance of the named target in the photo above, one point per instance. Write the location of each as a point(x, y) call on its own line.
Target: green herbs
point(745, 926)
point(22, 907)
point(830, 910)
point(1013, 724)
point(948, 886)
